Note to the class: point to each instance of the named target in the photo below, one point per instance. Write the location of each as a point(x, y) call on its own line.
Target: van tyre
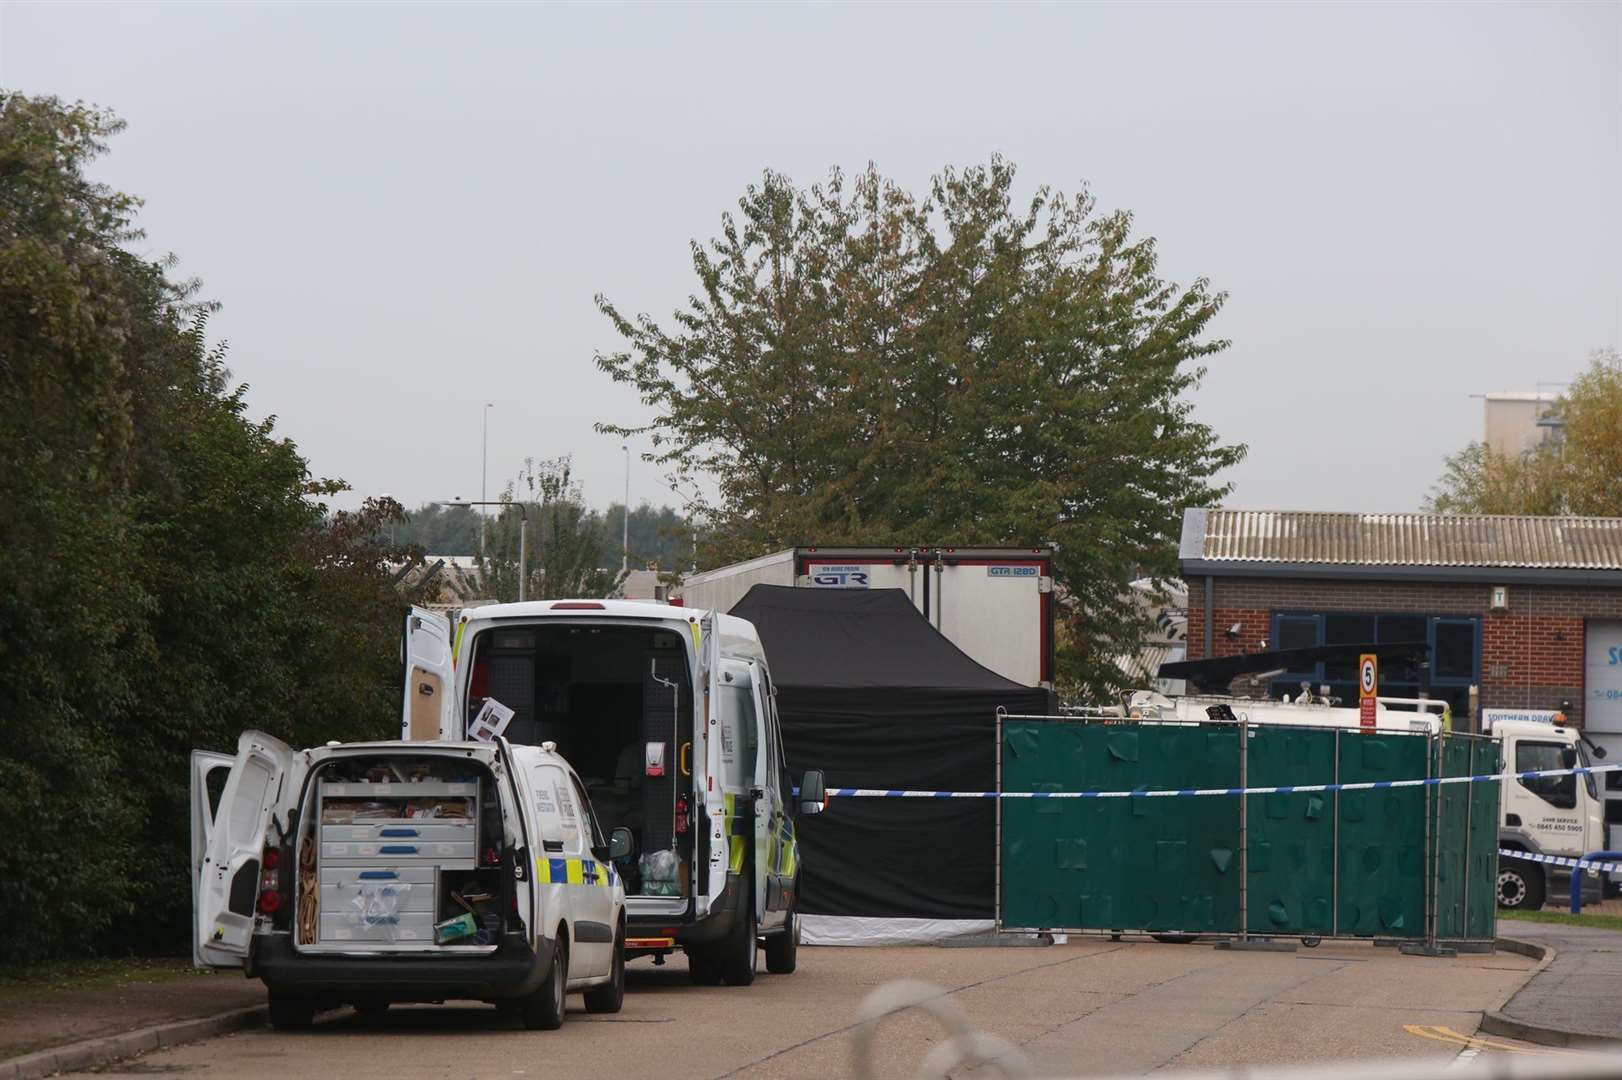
point(1520, 885)
point(610, 997)
point(704, 966)
point(289, 1012)
point(783, 950)
point(738, 955)
point(543, 1010)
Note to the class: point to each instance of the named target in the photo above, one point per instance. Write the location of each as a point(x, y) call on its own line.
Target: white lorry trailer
point(994, 603)
point(1561, 816)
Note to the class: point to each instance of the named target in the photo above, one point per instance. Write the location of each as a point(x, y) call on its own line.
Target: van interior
point(401, 852)
point(618, 702)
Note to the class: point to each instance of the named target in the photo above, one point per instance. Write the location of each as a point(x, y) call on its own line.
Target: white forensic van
point(669, 715)
point(370, 873)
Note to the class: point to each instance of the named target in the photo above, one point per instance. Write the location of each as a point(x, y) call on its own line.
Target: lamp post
point(484, 476)
point(625, 518)
point(523, 536)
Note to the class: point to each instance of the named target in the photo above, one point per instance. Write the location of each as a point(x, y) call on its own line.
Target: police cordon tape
point(1291, 789)
point(1561, 860)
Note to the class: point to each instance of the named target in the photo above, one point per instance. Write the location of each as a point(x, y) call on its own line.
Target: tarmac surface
point(1581, 991)
point(1087, 1008)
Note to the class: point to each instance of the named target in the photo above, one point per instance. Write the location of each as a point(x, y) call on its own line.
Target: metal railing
point(965, 1049)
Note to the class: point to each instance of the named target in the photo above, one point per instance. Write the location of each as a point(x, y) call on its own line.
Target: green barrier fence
point(1413, 863)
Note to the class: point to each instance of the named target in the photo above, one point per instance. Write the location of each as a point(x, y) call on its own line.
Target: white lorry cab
point(370, 873)
point(1549, 815)
point(669, 715)
point(1560, 816)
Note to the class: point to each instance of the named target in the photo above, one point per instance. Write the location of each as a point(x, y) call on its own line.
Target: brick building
point(1526, 609)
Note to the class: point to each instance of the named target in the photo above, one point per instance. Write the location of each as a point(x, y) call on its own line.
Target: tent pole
point(996, 887)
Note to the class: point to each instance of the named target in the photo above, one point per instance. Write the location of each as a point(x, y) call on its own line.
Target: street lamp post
point(484, 476)
point(625, 531)
point(523, 536)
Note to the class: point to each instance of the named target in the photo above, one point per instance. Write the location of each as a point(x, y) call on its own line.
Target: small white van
point(670, 717)
point(370, 873)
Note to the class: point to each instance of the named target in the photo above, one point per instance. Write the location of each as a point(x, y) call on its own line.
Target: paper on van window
point(491, 721)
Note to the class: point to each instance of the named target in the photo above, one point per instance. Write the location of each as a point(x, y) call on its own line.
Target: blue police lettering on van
point(1616, 656)
point(1012, 571)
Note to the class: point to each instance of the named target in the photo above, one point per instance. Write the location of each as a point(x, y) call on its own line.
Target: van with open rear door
point(670, 717)
point(366, 874)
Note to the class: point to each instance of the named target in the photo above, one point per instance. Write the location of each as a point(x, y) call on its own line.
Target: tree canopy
point(1578, 472)
point(859, 364)
point(171, 575)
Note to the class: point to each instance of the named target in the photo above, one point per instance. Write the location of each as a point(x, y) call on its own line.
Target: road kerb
point(92, 1052)
point(1496, 1023)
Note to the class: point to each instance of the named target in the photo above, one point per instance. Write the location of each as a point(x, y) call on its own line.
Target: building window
point(1450, 644)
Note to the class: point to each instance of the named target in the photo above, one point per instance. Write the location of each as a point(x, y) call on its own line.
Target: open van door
point(425, 709)
point(709, 651)
point(767, 800)
point(227, 880)
point(205, 767)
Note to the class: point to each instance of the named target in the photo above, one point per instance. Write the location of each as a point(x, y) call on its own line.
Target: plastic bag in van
point(661, 873)
point(377, 907)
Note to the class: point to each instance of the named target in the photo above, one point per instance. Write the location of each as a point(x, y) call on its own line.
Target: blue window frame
point(1453, 647)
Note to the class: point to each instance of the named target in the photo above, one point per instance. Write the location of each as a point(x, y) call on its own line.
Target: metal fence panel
point(1290, 837)
point(1383, 837)
point(1139, 863)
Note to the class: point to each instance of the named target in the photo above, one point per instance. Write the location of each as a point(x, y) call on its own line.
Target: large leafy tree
point(862, 365)
point(1580, 472)
point(171, 575)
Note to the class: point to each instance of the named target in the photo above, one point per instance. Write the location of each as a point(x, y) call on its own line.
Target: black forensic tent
point(872, 694)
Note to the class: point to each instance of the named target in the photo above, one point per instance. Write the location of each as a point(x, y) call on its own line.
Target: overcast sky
point(406, 209)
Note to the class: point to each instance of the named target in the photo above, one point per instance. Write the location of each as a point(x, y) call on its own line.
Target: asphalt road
point(1087, 1008)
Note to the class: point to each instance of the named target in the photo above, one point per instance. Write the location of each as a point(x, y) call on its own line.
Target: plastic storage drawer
point(414, 926)
point(344, 876)
point(399, 851)
point(350, 897)
point(406, 831)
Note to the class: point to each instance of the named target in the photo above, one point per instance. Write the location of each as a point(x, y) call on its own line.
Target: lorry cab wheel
point(1520, 886)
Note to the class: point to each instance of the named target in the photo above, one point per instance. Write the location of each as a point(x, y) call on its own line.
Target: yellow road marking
point(1475, 1042)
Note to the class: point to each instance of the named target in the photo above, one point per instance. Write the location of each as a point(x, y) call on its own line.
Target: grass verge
point(1564, 918)
point(29, 983)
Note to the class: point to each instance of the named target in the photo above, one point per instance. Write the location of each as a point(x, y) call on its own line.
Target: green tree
point(171, 575)
point(659, 536)
point(568, 551)
point(860, 365)
point(1579, 472)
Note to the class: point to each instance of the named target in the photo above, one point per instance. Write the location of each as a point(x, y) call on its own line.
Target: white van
point(670, 717)
point(370, 873)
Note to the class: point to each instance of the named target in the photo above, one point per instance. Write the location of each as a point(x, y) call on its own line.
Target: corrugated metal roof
point(1488, 540)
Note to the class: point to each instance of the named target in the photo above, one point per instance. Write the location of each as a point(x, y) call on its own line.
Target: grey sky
point(405, 210)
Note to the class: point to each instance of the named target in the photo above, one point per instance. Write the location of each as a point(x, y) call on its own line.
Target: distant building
point(1514, 423)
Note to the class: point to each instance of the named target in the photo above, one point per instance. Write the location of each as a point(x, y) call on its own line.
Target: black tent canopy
point(872, 694)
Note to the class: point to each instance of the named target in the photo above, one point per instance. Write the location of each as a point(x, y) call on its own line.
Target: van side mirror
point(813, 792)
point(620, 844)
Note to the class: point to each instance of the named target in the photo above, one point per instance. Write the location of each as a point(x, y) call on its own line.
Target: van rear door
point(226, 882)
point(426, 708)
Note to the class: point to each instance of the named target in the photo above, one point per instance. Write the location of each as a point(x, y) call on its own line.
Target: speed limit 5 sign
point(1368, 688)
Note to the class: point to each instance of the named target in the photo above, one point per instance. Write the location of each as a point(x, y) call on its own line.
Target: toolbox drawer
point(341, 898)
point(398, 851)
point(338, 876)
point(406, 831)
point(407, 926)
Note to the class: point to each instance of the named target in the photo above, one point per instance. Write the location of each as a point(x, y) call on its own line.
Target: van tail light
point(270, 880)
point(683, 819)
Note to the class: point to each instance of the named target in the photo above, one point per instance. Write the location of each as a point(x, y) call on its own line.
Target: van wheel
point(289, 1012)
point(738, 957)
point(609, 997)
point(704, 966)
point(543, 1010)
point(1520, 886)
point(783, 950)
point(1175, 939)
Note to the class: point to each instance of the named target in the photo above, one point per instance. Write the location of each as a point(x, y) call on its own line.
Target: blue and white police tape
point(1289, 789)
point(1561, 860)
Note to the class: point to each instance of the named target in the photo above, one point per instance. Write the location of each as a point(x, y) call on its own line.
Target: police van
point(670, 717)
point(365, 874)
